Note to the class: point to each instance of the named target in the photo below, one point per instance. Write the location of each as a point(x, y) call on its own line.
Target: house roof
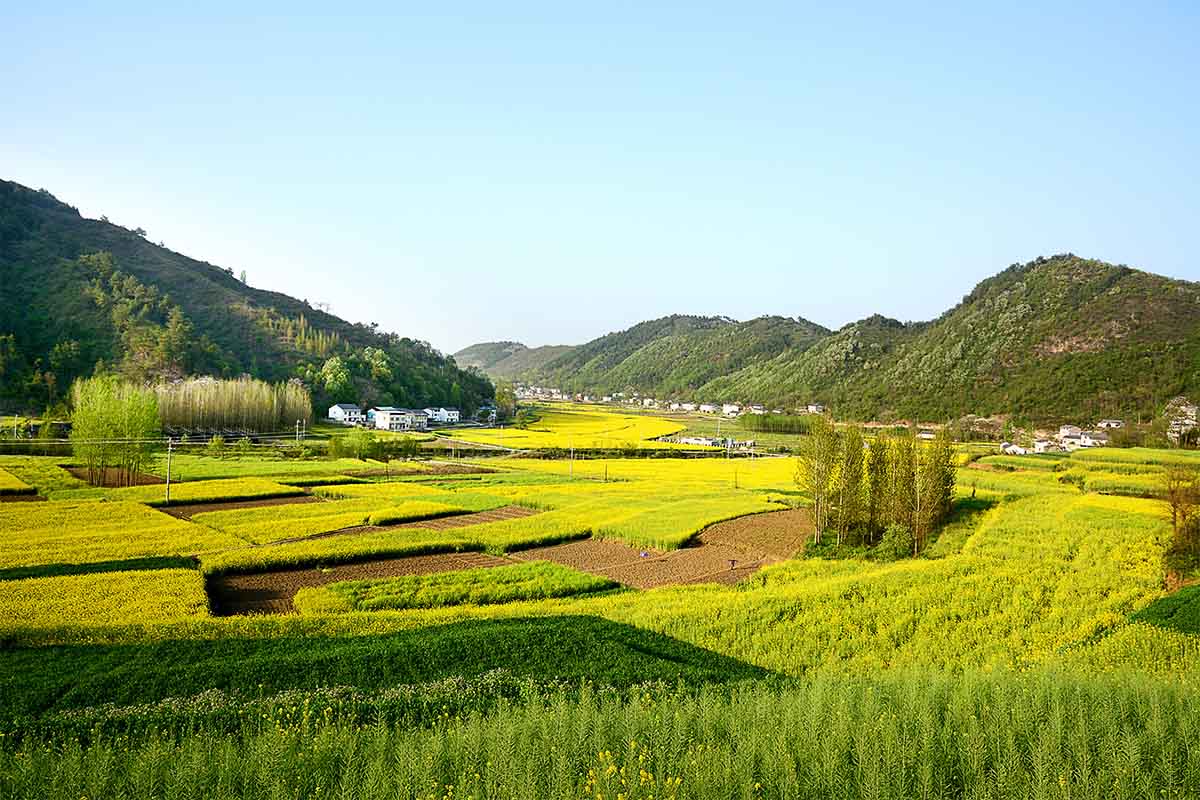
point(347, 406)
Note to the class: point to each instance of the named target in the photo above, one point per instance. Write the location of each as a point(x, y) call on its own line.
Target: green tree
point(506, 400)
point(877, 484)
point(114, 425)
point(816, 468)
point(335, 377)
point(849, 483)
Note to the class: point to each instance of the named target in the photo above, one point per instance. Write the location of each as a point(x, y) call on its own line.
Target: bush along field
point(482, 625)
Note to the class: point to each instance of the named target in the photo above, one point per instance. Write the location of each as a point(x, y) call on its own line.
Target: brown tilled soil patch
point(723, 553)
point(20, 498)
point(463, 520)
point(188, 510)
point(272, 592)
point(113, 477)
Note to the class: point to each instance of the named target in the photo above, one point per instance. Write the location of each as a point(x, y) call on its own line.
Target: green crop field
point(1030, 650)
point(531, 581)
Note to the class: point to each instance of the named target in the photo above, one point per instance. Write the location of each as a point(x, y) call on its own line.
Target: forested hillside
point(509, 359)
point(666, 355)
point(1055, 338)
point(80, 293)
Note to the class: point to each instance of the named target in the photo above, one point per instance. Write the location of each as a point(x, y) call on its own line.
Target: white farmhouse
point(1010, 449)
point(687, 406)
point(1093, 439)
point(443, 415)
point(815, 408)
point(390, 418)
point(346, 413)
point(708, 408)
point(758, 409)
point(731, 409)
point(1110, 424)
point(1069, 432)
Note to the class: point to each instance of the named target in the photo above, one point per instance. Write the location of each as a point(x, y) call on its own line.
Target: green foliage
point(113, 426)
point(776, 423)
point(1006, 737)
point(1179, 611)
point(40, 680)
point(897, 542)
point(536, 580)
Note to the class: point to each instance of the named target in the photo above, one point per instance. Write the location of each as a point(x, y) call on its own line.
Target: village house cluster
point(390, 418)
point(1068, 438)
point(524, 392)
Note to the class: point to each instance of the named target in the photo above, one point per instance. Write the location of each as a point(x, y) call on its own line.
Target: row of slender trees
point(244, 404)
point(861, 489)
point(114, 428)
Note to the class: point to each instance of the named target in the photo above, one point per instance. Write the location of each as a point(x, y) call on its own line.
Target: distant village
point(1182, 417)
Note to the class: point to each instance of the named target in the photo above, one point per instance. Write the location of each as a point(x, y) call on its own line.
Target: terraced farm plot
point(273, 523)
point(204, 491)
point(273, 592)
point(60, 533)
point(107, 598)
point(578, 428)
point(12, 485)
point(535, 580)
point(44, 474)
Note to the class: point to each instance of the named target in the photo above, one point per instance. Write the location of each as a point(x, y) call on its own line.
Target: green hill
point(509, 360)
point(1056, 338)
point(79, 293)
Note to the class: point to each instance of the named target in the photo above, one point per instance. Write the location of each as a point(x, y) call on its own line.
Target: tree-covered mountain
point(508, 360)
point(77, 294)
point(669, 355)
point(1056, 338)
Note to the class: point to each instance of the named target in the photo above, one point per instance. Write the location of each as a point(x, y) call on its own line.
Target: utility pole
point(169, 443)
point(297, 431)
point(571, 443)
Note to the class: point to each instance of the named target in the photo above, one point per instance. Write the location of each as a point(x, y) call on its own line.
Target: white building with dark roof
point(345, 413)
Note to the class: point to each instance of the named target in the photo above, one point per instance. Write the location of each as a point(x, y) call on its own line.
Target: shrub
point(897, 542)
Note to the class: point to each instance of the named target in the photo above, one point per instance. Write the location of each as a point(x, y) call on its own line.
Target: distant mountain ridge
point(80, 293)
point(1058, 337)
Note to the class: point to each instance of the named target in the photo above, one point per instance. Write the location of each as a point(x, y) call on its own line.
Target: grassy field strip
point(142, 597)
point(57, 533)
point(44, 474)
point(891, 738)
point(12, 485)
point(535, 580)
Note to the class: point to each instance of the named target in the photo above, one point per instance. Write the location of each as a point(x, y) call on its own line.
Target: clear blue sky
point(549, 173)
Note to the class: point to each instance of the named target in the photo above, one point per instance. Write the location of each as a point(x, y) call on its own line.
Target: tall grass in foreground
point(911, 736)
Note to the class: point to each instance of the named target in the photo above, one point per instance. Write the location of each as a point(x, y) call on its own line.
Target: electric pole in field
point(169, 443)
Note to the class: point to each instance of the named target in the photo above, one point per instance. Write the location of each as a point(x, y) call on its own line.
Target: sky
point(551, 172)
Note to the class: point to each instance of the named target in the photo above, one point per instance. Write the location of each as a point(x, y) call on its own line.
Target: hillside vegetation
point(1055, 338)
point(81, 292)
